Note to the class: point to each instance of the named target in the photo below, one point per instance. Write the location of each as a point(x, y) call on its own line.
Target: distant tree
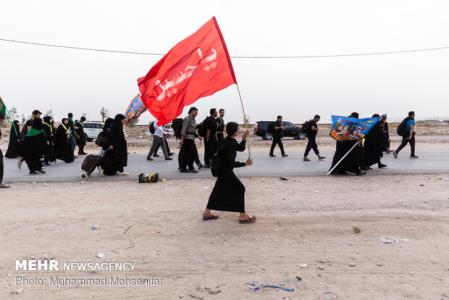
point(104, 114)
point(11, 115)
point(49, 113)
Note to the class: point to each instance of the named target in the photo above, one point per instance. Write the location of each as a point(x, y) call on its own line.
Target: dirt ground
point(306, 238)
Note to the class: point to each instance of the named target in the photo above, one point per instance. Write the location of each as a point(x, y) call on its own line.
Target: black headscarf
point(47, 119)
point(354, 115)
point(108, 123)
point(118, 118)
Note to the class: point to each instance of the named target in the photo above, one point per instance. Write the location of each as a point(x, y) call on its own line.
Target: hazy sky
point(82, 82)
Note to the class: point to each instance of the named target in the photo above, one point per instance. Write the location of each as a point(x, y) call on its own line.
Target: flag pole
point(245, 123)
point(344, 156)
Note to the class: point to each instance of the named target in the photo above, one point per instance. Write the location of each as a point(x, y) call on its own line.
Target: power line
point(235, 56)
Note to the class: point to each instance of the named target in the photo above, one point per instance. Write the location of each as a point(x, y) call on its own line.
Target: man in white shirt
point(158, 141)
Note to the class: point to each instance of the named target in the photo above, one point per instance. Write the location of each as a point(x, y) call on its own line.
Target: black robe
point(351, 163)
point(386, 134)
point(80, 135)
point(374, 145)
point(49, 135)
point(15, 141)
point(229, 192)
point(116, 159)
point(33, 149)
point(62, 147)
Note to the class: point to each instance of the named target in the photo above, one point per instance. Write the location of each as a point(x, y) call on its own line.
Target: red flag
point(196, 67)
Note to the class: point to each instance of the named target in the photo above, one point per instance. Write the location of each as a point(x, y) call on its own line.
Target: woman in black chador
point(375, 145)
point(102, 139)
point(116, 156)
point(352, 161)
point(229, 192)
point(49, 135)
point(14, 141)
point(62, 146)
point(33, 147)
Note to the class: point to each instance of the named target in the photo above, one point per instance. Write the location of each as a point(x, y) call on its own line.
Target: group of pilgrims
point(369, 151)
point(366, 153)
point(39, 143)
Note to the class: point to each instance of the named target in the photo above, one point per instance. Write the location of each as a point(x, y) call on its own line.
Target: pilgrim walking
point(351, 163)
point(14, 141)
point(220, 127)
point(407, 130)
point(26, 127)
point(62, 142)
point(34, 147)
point(49, 136)
point(386, 132)
point(210, 136)
point(116, 157)
point(72, 137)
point(158, 141)
point(310, 128)
point(375, 145)
point(278, 134)
point(229, 192)
point(188, 147)
point(80, 135)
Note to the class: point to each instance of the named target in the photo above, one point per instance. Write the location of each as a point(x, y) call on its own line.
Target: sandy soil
point(304, 230)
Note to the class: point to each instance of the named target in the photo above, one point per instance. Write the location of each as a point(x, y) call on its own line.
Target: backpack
point(177, 127)
point(270, 127)
point(306, 127)
point(152, 129)
point(402, 128)
point(101, 140)
point(216, 165)
point(201, 129)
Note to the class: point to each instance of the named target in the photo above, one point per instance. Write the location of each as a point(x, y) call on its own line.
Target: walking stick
point(245, 123)
point(344, 156)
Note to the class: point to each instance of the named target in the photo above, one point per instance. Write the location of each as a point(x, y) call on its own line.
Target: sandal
point(251, 219)
point(210, 217)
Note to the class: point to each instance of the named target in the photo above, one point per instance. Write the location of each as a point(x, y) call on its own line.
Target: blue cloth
point(409, 124)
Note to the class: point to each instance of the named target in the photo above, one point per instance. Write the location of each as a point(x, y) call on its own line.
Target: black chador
point(116, 156)
point(14, 141)
point(352, 161)
point(33, 147)
point(375, 144)
point(62, 146)
point(229, 192)
point(49, 135)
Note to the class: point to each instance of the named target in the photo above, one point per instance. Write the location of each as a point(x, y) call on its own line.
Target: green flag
point(2, 110)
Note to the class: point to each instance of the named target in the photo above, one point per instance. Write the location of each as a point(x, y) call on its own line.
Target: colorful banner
point(350, 129)
point(135, 108)
point(2, 110)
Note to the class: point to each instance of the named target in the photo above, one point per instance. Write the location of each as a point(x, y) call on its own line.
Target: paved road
point(430, 161)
